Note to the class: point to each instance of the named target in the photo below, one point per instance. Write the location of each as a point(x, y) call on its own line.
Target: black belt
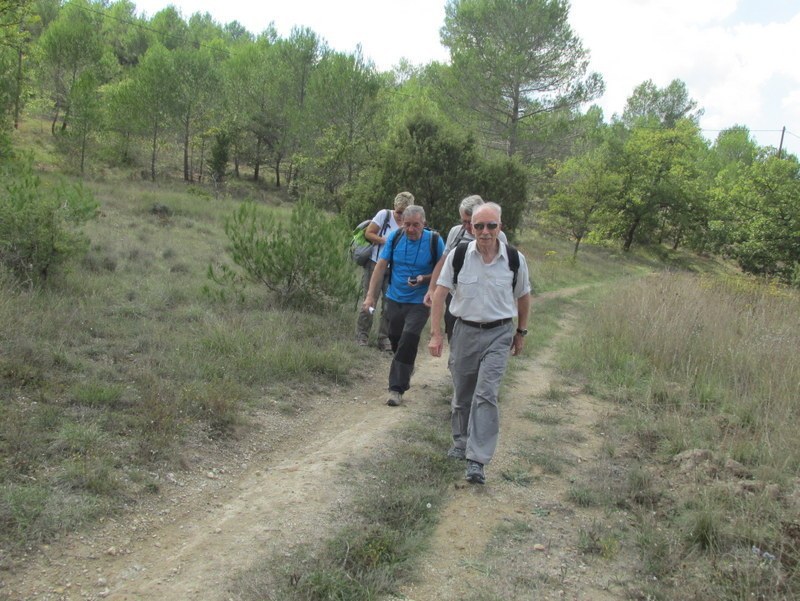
point(486, 325)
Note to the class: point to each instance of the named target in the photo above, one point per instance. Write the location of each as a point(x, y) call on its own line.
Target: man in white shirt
point(487, 295)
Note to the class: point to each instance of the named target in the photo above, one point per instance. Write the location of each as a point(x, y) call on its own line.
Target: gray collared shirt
point(483, 292)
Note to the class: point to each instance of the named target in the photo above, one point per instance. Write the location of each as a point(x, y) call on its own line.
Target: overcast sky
point(738, 58)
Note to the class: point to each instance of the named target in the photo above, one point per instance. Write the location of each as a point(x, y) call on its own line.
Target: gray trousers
point(364, 323)
point(478, 360)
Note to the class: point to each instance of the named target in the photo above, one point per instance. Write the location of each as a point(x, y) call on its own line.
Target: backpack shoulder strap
point(386, 221)
point(460, 236)
point(458, 260)
point(395, 240)
point(513, 263)
point(434, 247)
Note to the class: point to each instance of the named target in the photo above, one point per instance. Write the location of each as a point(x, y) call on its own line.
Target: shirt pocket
point(468, 286)
point(502, 280)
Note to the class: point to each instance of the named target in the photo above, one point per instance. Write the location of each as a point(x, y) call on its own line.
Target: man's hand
point(369, 304)
point(517, 344)
point(436, 345)
point(428, 300)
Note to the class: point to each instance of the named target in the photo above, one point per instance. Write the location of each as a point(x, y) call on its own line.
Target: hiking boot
point(362, 341)
point(385, 345)
point(475, 472)
point(457, 453)
point(394, 398)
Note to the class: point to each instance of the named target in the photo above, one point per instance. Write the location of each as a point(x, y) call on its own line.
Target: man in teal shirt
point(411, 252)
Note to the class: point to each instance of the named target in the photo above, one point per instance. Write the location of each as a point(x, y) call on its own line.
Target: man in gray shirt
point(487, 295)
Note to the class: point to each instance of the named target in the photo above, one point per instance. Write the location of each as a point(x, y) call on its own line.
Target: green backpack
point(360, 247)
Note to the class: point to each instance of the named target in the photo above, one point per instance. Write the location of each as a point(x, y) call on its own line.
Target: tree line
point(510, 117)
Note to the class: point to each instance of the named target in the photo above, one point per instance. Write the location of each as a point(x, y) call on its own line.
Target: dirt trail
point(263, 498)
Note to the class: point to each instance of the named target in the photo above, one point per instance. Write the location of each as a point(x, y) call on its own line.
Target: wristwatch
point(522, 332)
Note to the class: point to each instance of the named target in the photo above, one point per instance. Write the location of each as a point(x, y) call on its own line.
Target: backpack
point(360, 247)
point(461, 251)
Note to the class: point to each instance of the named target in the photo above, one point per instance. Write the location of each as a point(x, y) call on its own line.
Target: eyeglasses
point(492, 225)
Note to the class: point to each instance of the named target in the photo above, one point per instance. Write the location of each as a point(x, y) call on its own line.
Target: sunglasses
point(492, 225)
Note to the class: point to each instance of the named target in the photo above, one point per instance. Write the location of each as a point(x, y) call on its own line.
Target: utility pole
point(780, 146)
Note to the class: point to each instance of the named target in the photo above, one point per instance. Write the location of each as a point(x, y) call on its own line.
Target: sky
point(738, 58)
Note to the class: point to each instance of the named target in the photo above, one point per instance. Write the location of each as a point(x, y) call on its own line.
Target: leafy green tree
point(85, 103)
point(513, 60)
point(220, 155)
point(154, 99)
point(197, 79)
point(666, 106)
point(304, 263)
point(16, 23)
point(70, 46)
point(126, 33)
point(582, 186)
point(759, 217)
point(440, 166)
point(122, 116)
point(433, 162)
point(170, 29)
point(343, 99)
point(659, 170)
point(296, 60)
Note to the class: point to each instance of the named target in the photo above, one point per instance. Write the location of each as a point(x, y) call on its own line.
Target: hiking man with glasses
point(457, 234)
point(410, 253)
point(490, 286)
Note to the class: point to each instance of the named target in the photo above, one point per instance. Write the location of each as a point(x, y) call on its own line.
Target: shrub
point(37, 222)
point(305, 262)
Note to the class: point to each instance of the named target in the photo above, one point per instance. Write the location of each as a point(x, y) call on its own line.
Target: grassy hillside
point(122, 361)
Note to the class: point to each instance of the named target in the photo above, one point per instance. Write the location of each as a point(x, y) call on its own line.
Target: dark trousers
point(449, 318)
point(406, 322)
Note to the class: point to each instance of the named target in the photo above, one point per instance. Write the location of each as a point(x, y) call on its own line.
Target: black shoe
point(457, 453)
point(475, 472)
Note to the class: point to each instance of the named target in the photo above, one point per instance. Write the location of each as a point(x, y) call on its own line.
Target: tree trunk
point(278, 172)
point(202, 159)
point(84, 136)
point(187, 176)
point(18, 91)
point(630, 234)
point(55, 120)
point(575, 249)
point(257, 161)
point(153, 155)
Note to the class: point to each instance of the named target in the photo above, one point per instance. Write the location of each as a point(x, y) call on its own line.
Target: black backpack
point(461, 250)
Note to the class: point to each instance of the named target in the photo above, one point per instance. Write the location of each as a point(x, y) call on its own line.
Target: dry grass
point(705, 372)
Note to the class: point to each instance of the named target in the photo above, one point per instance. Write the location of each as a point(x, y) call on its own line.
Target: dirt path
point(283, 487)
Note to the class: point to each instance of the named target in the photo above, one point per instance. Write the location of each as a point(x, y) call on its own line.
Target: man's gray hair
point(468, 205)
point(414, 210)
point(495, 206)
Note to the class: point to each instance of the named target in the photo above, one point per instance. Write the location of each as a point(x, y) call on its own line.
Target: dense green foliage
point(38, 222)
point(304, 262)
